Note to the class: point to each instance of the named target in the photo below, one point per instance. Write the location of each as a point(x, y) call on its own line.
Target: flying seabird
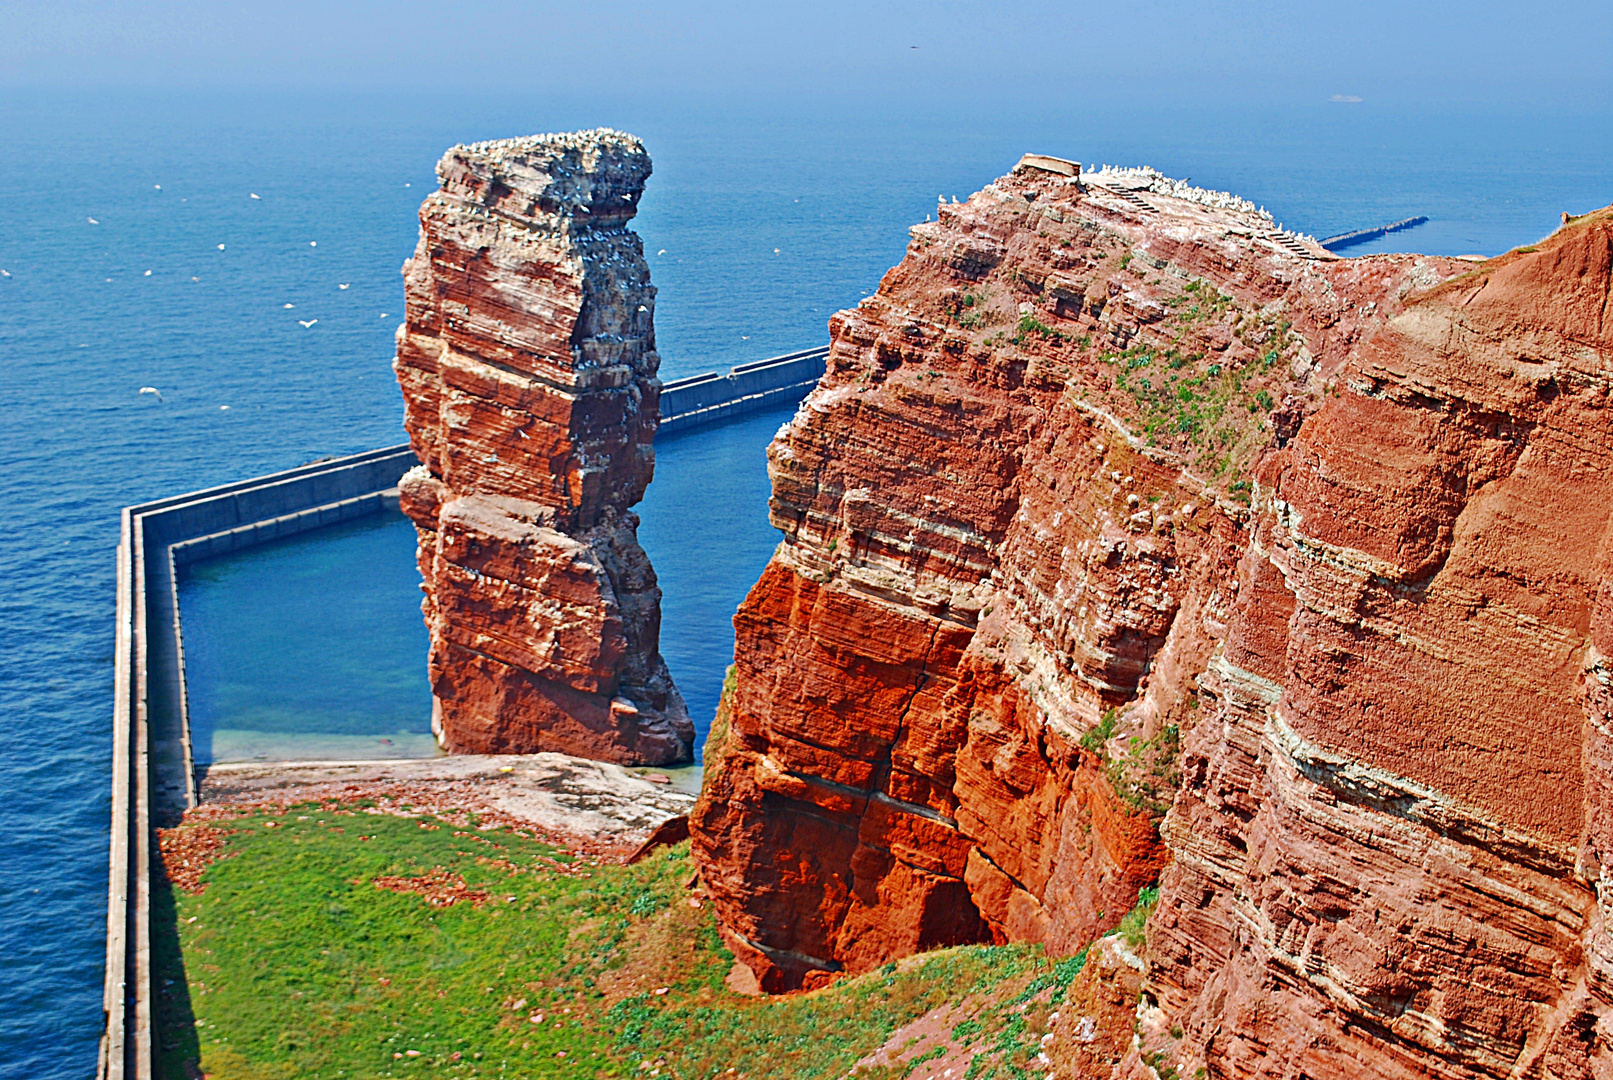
point(342, 286)
point(313, 243)
point(290, 306)
point(253, 195)
point(5, 273)
point(94, 222)
point(221, 247)
point(147, 273)
point(151, 390)
point(307, 324)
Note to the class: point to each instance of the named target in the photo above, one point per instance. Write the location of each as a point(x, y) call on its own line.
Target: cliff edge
point(1131, 539)
point(528, 367)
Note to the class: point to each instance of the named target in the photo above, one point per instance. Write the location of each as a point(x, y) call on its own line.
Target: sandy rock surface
point(554, 793)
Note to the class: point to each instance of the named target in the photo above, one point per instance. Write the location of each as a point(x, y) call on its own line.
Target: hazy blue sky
point(1555, 53)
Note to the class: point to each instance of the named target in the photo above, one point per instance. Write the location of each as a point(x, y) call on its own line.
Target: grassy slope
point(292, 963)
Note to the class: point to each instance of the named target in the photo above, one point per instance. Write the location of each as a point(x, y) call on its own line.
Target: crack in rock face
point(528, 368)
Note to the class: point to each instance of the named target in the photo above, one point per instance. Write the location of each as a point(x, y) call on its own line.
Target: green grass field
point(293, 963)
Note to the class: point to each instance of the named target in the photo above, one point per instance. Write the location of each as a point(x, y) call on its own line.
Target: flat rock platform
point(603, 805)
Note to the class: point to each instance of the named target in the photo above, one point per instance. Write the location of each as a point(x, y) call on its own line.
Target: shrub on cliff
point(1147, 776)
point(1134, 924)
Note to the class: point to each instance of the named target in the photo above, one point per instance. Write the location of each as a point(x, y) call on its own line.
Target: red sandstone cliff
point(1113, 500)
point(528, 367)
point(1389, 849)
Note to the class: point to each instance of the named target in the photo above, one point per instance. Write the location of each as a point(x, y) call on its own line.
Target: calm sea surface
point(314, 648)
point(759, 223)
point(311, 647)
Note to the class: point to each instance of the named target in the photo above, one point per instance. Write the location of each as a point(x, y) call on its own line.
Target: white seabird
point(307, 324)
point(341, 286)
point(253, 195)
point(94, 222)
point(151, 390)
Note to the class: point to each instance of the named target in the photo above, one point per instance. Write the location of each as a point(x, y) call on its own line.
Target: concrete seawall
point(1361, 236)
point(153, 772)
point(153, 779)
point(713, 398)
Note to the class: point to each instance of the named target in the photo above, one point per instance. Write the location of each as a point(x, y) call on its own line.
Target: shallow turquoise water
point(309, 647)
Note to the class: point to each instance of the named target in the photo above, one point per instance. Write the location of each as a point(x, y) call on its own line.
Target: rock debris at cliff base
point(528, 367)
point(1129, 539)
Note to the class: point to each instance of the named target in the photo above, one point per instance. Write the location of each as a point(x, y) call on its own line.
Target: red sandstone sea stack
point(528, 367)
point(1129, 539)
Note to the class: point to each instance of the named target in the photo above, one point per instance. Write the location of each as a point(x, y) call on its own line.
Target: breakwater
point(154, 774)
point(713, 397)
point(1361, 236)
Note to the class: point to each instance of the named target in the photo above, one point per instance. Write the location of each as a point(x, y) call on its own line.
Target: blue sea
point(313, 647)
point(761, 220)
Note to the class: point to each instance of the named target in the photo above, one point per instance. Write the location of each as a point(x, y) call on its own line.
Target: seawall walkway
point(713, 398)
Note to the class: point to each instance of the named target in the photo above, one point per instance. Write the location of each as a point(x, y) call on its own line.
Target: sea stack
point(528, 367)
point(1131, 540)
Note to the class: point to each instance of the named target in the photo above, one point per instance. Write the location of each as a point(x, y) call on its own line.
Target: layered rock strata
point(528, 367)
point(1115, 500)
point(1390, 841)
